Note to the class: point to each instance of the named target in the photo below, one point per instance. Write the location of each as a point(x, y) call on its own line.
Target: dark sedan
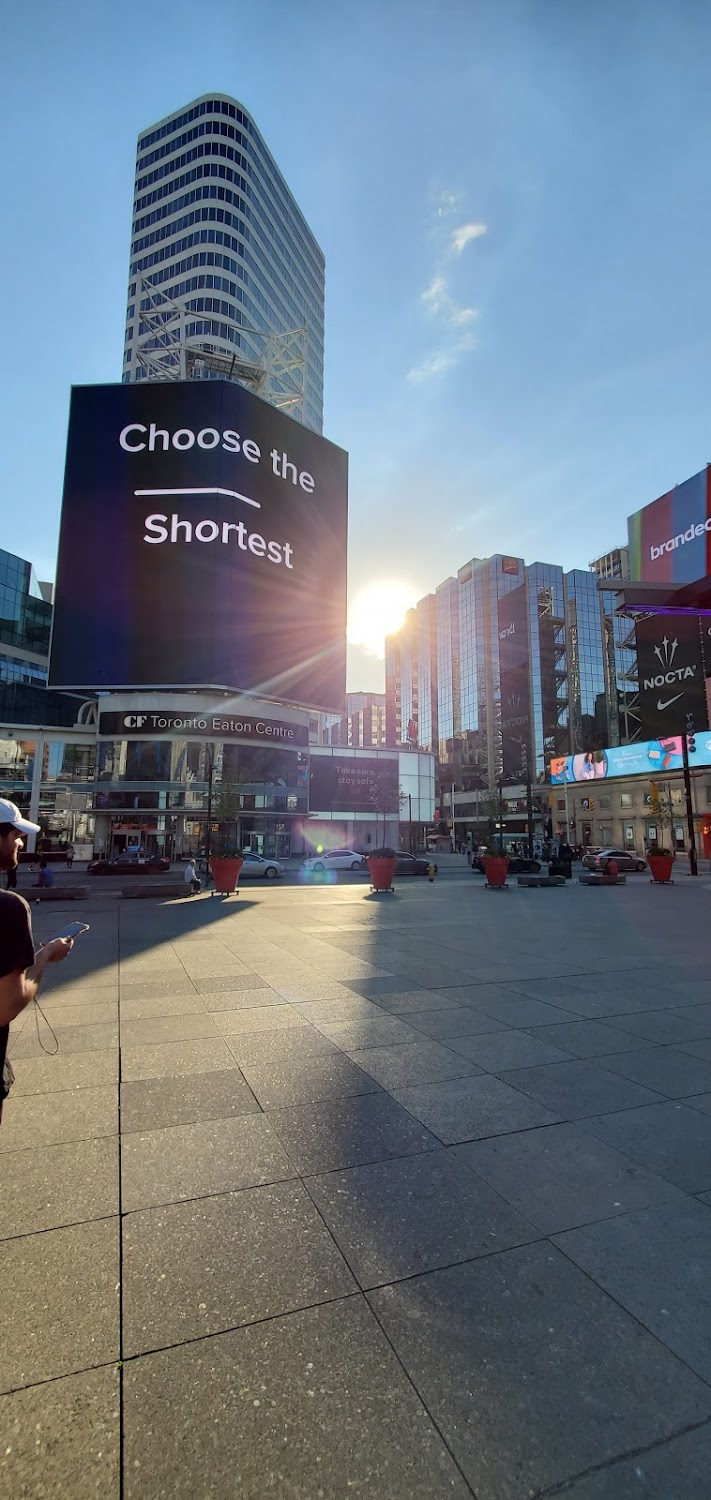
point(128, 864)
point(519, 864)
point(411, 864)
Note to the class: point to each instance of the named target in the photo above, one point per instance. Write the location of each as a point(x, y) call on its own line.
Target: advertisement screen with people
point(642, 759)
point(202, 544)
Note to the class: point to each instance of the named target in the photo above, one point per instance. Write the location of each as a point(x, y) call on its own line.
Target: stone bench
point(55, 892)
point(537, 881)
point(156, 888)
point(598, 877)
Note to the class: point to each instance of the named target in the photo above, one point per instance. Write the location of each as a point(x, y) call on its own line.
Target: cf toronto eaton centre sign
point(202, 545)
point(147, 722)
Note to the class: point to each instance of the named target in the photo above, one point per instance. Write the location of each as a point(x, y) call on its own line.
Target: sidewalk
point(328, 1195)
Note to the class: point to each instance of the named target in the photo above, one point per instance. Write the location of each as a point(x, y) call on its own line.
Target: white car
point(335, 859)
point(255, 866)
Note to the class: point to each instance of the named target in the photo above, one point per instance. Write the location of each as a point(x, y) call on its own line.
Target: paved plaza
point(332, 1195)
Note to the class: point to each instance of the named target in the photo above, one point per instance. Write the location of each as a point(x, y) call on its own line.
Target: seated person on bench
point(46, 876)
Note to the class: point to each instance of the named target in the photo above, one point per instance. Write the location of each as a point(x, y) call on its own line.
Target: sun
point(376, 612)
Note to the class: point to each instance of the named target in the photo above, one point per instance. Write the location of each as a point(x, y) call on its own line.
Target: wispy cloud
point(446, 203)
point(441, 361)
point(464, 234)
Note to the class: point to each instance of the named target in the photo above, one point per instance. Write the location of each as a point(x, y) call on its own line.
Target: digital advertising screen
point(670, 540)
point(202, 544)
point(340, 784)
point(646, 758)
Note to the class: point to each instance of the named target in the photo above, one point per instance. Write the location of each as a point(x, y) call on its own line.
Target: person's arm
point(20, 986)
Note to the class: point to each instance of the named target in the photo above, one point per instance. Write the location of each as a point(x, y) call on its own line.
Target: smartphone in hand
point(73, 930)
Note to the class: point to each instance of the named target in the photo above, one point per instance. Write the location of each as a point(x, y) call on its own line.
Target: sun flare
point(377, 612)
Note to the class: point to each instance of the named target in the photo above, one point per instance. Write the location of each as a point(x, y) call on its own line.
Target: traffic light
point(690, 740)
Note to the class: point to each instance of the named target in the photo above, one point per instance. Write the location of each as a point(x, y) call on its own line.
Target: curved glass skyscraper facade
point(216, 230)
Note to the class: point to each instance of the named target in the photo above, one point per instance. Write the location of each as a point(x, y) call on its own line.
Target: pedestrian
point(11, 880)
point(190, 876)
point(21, 970)
point(70, 856)
point(46, 877)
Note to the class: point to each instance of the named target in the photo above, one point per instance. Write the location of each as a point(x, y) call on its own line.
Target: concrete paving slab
point(667, 1070)
point(561, 1176)
point(258, 1018)
point(45, 1186)
point(517, 1322)
point(343, 1133)
point(73, 1039)
point(63, 1291)
point(74, 1115)
point(424, 1061)
point(154, 1103)
point(314, 1401)
point(89, 1014)
point(520, 1011)
point(578, 1088)
point(656, 1264)
point(700, 1048)
point(408, 1003)
point(193, 1161)
point(506, 1049)
point(202, 1267)
point(670, 1139)
point(153, 1029)
point(680, 1466)
point(241, 999)
point(175, 1059)
point(454, 1021)
point(189, 1004)
point(397, 1218)
point(593, 1038)
point(665, 1027)
point(62, 1438)
point(279, 1084)
point(50, 1075)
point(277, 1046)
point(464, 1109)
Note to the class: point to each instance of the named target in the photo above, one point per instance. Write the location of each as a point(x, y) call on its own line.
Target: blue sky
point(513, 202)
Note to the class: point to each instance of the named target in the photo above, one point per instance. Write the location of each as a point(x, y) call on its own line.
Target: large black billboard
point(515, 681)
point(202, 544)
point(671, 674)
point(340, 784)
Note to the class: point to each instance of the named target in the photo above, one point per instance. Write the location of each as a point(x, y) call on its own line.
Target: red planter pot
point(496, 869)
point(661, 866)
point(225, 873)
point(381, 873)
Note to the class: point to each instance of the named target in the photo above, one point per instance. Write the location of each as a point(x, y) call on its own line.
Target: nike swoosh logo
point(663, 703)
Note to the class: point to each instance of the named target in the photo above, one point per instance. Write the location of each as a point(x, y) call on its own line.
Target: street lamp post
point(525, 766)
point(501, 816)
point(210, 753)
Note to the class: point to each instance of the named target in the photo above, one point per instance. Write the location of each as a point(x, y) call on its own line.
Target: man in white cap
point(21, 971)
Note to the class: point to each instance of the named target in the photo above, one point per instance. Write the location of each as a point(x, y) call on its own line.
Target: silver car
point(626, 859)
point(335, 859)
point(256, 867)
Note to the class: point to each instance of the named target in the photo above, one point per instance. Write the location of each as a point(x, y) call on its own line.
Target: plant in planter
point(382, 863)
point(661, 863)
point(496, 866)
point(226, 857)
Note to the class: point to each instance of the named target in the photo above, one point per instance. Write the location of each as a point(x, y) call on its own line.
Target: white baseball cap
point(10, 813)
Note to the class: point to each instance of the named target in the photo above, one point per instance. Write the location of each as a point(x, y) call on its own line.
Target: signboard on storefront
point(202, 545)
point(147, 724)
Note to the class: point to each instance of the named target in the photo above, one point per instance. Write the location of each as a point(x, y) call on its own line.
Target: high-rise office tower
point(226, 278)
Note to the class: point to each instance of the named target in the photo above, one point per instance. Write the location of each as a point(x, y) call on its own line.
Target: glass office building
point(427, 731)
point(448, 673)
point(549, 664)
point(216, 230)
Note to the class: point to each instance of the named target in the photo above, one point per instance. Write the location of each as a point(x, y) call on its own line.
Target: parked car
point(627, 859)
point(129, 864)
point(335, 859)
point(412, 864)
point(519, 864)
point(255, 866)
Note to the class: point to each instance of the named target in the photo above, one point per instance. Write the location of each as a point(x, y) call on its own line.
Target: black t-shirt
point(17, 950)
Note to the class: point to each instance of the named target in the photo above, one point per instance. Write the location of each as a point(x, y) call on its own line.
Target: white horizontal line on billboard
point(210, 490)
